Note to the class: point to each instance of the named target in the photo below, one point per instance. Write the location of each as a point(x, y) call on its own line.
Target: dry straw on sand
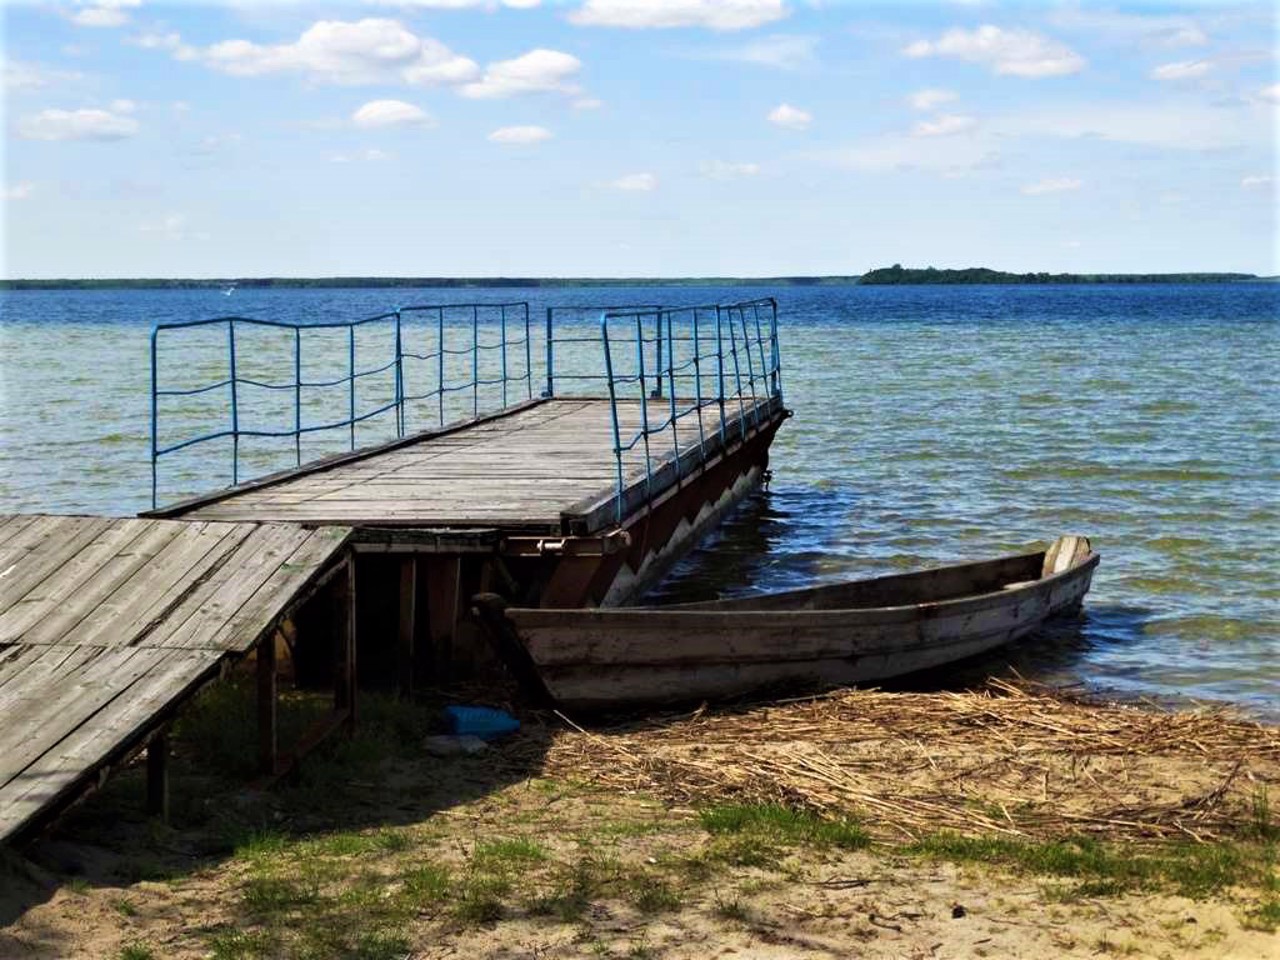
point(1012, 759)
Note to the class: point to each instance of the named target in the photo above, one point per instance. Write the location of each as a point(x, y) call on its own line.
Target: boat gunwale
point(541, 617)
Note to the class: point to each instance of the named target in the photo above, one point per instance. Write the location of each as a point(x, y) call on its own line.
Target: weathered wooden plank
point(230, 610)
point(176, 571)
point(70, 578)
point(174, 675)
point(45, 713)
point(58, 548)
point(49, 617)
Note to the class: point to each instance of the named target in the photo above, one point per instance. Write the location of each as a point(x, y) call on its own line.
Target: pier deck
point(106, 625)
point(545, 467)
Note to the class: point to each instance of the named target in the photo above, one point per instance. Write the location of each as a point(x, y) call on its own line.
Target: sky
point(636, 138)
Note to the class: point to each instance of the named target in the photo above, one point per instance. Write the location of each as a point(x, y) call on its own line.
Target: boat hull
point(592, 659)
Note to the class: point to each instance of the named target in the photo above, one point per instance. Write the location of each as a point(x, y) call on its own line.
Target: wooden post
point(344, 689)
point(267, 732)
point(406, 661)
point(158, 776)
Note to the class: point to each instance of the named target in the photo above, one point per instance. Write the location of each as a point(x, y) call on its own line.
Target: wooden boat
point(842, 634)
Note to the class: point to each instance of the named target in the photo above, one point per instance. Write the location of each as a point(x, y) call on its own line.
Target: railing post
point(644, 407)
point(776, 348)
point(235, 405)
point(697, 379)
point(502, 324)
point(440, 361)
point(399, 378)
point(751, 365)
point(613, 406)
point(297, 394)
point(671, 384)
point(475, 362)
point(155, 413)
point(351, 382)
point(551, 355)
point(737, 375)
point(528, 354)
point(720, 374)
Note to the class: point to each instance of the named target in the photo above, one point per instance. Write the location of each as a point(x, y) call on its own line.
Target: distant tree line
point(897, 274)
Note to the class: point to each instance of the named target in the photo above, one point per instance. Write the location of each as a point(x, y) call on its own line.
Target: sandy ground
point(107, 883)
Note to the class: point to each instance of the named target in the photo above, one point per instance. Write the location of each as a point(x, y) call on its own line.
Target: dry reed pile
point(1012, 759)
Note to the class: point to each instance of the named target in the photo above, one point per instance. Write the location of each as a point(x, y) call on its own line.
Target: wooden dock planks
point(519, 471)
point(105, 625)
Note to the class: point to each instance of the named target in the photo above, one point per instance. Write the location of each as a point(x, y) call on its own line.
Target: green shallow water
point(931, 425)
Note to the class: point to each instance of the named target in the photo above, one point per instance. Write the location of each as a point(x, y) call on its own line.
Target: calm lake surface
point(932, 424)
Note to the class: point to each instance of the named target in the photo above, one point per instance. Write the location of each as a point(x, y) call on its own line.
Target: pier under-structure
point(108, 626)
point(650, 423)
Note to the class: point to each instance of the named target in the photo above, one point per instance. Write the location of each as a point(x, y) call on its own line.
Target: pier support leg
point(158, 776)
point(268, 738)
point(344, 690)
point(406, 661)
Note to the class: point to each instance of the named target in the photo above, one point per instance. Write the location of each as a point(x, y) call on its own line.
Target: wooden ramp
point(106, 625)
point(544, 467)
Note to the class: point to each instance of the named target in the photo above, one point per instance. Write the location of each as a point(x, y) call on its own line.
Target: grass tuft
point(136, 951)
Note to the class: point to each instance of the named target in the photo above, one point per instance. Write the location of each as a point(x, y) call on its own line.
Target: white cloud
point(588, 103)
point(389, 113)
point(123, 106)
point(170, 42)
point(20, 190)
point(1270, 94)
point(944, 125)
point(454, 4)
point(34, 76)
point(780, 52)
point(1052, 185)
point(534, 72)
point(1249, 183)
point(658, 14)
point(931, 97)
point(103, 13)
point(1018, 53)
point(1171, 125)
point(1182, 70)
point(636, 183)
point(88, 124)
point(172, 226)
point(369, 156)
point(1169, 32)
point(520, 135)
point(367, 51)
point(721, 170)
point(898, 153)
point(790, 118)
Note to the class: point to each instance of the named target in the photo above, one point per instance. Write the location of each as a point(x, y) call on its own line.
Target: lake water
point(933, 424)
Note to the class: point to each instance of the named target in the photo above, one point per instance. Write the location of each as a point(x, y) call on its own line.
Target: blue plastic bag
point(486, 723)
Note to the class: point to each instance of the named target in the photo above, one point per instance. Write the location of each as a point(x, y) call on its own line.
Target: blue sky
point(636, 137)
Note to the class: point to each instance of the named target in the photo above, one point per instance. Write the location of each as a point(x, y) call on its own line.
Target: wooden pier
point(107, 626)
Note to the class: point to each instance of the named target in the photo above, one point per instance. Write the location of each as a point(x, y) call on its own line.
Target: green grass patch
point(517, 852)
point(136, 951)
point(783, 825)
point(1192, 870)
point(243, 945)
point(266, 896)
point(427, 885)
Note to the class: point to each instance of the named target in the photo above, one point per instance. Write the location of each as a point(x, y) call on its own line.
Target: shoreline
point(1001, 821)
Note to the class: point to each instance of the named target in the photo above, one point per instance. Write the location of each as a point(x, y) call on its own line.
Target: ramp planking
point(107, 624)
point(532, 468)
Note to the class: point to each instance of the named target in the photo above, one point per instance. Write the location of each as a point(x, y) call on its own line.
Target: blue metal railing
point(443, 362)
point(570, 338)
point(402, 323)
point(735, 346)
